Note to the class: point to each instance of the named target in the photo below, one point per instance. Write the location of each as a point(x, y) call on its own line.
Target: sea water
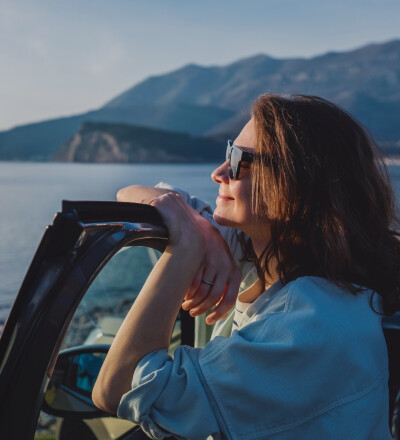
point(31, 193)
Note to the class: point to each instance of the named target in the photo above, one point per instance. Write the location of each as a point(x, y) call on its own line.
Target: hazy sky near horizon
point(63, 57)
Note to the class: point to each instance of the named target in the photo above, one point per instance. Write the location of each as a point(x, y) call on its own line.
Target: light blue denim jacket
point(309, 361)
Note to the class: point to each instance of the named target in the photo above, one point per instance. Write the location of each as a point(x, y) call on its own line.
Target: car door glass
point(96, 321)
point(110, 296)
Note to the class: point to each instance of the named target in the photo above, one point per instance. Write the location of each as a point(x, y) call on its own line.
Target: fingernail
point(185, 305)
point(210, 319)
point(192, 313)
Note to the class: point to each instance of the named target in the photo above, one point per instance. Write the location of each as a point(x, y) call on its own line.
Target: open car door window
point(88, 270)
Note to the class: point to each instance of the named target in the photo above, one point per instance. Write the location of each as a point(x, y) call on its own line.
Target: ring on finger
point(207, 282)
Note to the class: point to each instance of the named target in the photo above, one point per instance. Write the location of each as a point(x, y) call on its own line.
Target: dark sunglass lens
point(231, 175)
point(236, 156)
point(228, 150)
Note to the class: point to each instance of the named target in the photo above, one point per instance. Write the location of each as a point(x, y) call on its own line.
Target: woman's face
point(234, 200)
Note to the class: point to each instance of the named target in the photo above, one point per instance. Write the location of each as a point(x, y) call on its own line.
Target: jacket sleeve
point(181, 396)
point(187, 396)
point(169, 397)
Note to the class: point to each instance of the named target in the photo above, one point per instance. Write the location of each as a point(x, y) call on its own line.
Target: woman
point(306, 358)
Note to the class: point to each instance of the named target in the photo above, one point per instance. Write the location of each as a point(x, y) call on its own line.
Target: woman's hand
point(188, 229)
point(183, 231)
point(195, 250)
point(218, 268)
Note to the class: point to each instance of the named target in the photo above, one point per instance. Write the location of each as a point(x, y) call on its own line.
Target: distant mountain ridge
point(216, 100)
point(372, 70)
point(123, 143)
point(40, 141)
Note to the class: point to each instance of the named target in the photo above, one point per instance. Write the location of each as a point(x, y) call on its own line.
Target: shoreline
point(392, 160)
point(389, 160)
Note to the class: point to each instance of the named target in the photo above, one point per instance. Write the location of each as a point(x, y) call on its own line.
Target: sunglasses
point(235, 155)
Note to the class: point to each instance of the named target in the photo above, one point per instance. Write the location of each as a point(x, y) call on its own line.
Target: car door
point(87, 271)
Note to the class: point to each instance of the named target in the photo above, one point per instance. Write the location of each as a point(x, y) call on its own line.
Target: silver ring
point(206, 282)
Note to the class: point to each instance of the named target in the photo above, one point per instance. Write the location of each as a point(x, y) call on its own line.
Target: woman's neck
point(258, 246)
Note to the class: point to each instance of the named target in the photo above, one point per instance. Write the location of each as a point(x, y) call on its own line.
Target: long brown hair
point(320, 179)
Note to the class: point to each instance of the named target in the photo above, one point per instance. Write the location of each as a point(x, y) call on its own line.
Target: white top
point(240, 309)
point(308, 360)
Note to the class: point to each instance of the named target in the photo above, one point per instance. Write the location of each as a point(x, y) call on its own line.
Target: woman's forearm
point(219, 265)
point(140, 193)
point(148, 325)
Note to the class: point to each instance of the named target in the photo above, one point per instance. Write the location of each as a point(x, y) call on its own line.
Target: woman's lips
point(221, 198)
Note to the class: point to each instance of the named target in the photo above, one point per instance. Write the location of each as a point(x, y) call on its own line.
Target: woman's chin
point(223, 221)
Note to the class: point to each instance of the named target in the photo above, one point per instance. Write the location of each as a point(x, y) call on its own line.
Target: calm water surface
point(30, 194)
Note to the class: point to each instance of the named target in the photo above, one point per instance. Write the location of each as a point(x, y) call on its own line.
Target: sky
point(59, 58)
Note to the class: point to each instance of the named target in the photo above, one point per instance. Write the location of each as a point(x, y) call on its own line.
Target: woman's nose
point(221, 174)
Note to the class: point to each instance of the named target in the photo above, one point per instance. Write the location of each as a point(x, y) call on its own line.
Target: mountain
point(216, 100)
point(41, 140)
point(123, 143)
point(372, 70)
point(364, 81)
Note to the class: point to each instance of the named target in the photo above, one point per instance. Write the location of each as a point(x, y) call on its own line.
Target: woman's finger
point(226, 303)
point(195, 284)
point(148, 201)
point(204, 299)
point(213, 297)
point(202, 291)
point(182, 227)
